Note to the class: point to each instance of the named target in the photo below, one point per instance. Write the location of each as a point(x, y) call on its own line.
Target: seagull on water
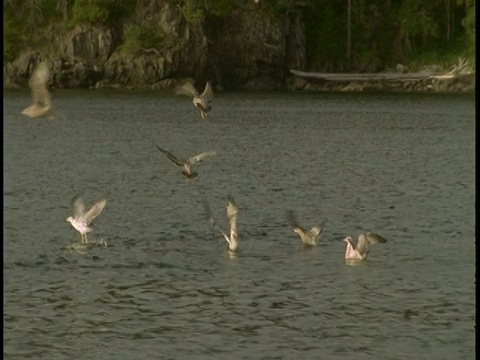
point(42, 103)
point(310, 237)
point(81, 220)
point(360, 251)
point(232, 214)
point(201, 101)
point(186, 164)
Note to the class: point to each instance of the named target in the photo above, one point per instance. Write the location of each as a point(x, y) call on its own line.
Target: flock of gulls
point(82, 219)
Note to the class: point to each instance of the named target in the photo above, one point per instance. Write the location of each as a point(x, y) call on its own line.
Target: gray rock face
point(79, 62)
point(88, 44)
point(63, 73)
point(183, 51)
point(250, 49)
point(17, 73)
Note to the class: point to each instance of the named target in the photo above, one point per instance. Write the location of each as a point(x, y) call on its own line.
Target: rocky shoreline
point(77, 74)
point(251, 50)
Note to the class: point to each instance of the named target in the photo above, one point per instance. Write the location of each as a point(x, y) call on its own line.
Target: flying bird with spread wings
point(42, 102)
point(186, 164)
point(232, 215)
point(359, 252)
point(201, 101)
point(81, 220)
point(308, 237)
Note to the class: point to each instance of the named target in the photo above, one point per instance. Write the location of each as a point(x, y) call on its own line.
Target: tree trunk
point(448, 9)
point(349, 40)
point(62, 8)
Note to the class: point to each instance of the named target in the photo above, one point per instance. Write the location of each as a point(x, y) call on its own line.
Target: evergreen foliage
point(138, 38)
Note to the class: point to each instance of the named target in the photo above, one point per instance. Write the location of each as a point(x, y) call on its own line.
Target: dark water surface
point(401, 165)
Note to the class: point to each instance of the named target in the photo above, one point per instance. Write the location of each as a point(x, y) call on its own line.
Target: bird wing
point(368, 238)
point(292, 221)
point(212, 221)
point(224, 234)
point(170, 156)
point(78, 206)
point(38, 85)
point(362, 244)
point(207, 92)
point(95, 210)
point(200, 157)
point(232, 211)
point(373, 238)
point(232, 214)
point(186, 88)
point(317, 230)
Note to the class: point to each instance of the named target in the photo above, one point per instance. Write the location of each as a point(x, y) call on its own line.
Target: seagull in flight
point(42, 103)
point(188, 163)
point(81, 220)
point(201, 101)
point(310, 237)
point(232, 214)
point(360, 251)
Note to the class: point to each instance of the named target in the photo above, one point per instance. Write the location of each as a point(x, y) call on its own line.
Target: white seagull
point(232, 214)
point(81, 220)
point(42, 103)
point(360, 251)
point(201, 101)
point(310, 237)
point(186, 164)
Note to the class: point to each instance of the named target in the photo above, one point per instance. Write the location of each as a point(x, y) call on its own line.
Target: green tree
point(468, 22)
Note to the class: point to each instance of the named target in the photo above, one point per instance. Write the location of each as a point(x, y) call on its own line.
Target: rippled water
point(165, 288)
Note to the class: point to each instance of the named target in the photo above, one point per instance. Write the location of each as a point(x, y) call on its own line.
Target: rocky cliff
point(248, 49)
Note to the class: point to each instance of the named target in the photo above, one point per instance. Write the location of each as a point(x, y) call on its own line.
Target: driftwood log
point(347, 77)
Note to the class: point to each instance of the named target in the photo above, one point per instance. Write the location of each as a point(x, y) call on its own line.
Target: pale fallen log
point(347, 77)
